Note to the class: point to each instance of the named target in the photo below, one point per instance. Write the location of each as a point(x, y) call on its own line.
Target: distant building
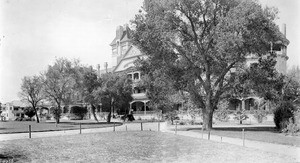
point(13, 110)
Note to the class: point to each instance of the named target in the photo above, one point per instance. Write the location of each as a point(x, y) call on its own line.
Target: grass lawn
point(22, 126)
point(146, 146)
point(256, 132)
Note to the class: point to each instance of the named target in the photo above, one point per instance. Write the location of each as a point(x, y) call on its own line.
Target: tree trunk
point(207, 119)
point(108, 117)
point(36, 115)
point(57, 120)
point(208, 114)
point(93, 108)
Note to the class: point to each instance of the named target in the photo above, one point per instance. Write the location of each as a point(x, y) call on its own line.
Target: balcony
point(139, 96)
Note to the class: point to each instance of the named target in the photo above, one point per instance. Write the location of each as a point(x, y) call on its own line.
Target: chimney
point(105, 65)
point(283, 29)
point(98, 68)
point(119, 32)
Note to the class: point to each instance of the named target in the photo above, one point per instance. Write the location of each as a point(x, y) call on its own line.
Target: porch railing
point(143, 112)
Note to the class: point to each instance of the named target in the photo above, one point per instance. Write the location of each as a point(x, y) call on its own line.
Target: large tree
point(199, 43)
point(88, 83)
point(116, 89)
point(31, 92)
point(59, 82)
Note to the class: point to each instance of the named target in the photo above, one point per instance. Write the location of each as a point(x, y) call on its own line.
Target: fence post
point(29, 131)
point(79, 128)
point(158, 128)
point(176, 127)
point(202, 131)
point(126, 127)
point(208, 136)
point(114, 126)
point(243, 132)
point(221, 138)
point(141, 126)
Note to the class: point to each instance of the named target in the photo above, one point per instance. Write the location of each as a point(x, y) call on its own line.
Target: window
point(123, 49)
point(129, 76)
point(114, 51)
point(136, 76)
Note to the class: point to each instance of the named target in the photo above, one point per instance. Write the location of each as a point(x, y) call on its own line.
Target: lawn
point(252, 132)
point(23, 126)
point(146, 146)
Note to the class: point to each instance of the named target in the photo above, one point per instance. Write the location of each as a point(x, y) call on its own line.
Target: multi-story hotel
point(124, 54)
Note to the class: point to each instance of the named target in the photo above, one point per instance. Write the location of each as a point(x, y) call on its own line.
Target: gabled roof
point(132, 52)
point(18, 103)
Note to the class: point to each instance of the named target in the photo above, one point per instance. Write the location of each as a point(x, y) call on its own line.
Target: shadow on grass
point(14, 156)
point(239, 129)
point(86, 123)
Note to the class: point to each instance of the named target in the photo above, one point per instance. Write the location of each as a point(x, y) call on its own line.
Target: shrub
point(19, 119)
point(153, 119)
point(48, 117)
point(78, 112)
point(56, 112)
point(30, 112)
point(259, 115)
point(222, 115)
point(182, 123)
point(282, 115)
point(171, 116)
point(293, 127)
point(240, 116)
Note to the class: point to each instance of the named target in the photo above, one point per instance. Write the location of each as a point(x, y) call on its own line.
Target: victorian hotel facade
point(124, 54)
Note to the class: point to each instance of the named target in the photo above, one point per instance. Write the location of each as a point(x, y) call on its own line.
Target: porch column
point(130, 107)
point(145, 107)
point(243, 104)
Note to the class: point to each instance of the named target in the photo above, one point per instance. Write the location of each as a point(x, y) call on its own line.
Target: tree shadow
point(239, 129)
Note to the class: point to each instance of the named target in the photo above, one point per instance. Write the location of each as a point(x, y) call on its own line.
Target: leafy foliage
point(259, 115)
point(78, 111)
point(56, 112)
point(195, 44)
point(222, 113)
point(59, 83)
point(282, 115)
point(31, 92)
point(240, 115)
point(171, 116)
point(87, 82)
point(261, 79)
point(30, 112)
point(293, 127)
point(115, 90)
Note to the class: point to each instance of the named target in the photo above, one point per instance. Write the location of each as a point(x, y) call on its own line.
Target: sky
point(34, 33)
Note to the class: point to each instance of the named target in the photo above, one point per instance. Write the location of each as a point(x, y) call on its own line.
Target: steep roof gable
point(128, 60)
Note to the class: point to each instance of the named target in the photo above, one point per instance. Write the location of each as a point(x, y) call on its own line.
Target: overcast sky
point(35, 32)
